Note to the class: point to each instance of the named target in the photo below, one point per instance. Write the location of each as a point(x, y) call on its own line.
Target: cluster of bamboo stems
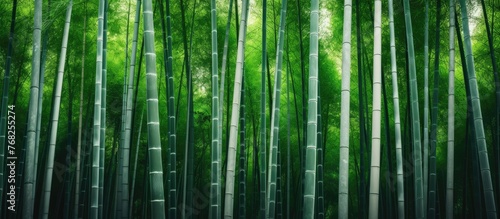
point(270, 192)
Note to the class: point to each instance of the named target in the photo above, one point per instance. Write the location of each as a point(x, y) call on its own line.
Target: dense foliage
point(190, 47)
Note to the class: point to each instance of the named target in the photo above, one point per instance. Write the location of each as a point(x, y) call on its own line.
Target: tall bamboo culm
point(262, 146)
point(29, 165)
point(215, 187)
point(156, 191)
point(484, 164)
point(312, 118)
point(275, 118)
point(79, 144)
point(117, 205)
point(450, 159)
point(128, 120)
point(344, 112)
point(432, 190)
point(221, 107)
point(242, 186)
point(397, 120)
point(221, 99)
point(377, 86)
point(55, 115)
point(94, 197)
point(320, 198)
point(496, 142)
point(102, 139)
point(233, 132)
point(426, 104)
point(172, 136)
point(135, 162)
point(415, 118)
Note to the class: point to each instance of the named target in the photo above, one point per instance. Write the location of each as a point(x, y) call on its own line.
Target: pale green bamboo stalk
point(29, 170)
point(216, 198)
point(94, 202)
point(312, 112)
point(415, 123)
point(494, 63)
point(242, 188)
point(279, 190)
point(397, 120)
point(320, 201)
point(128, 120)
point(119, 170)
point(102, 139)
point(344, 112)
point(377, 86)
point(120, 212)
point(154, 143)
point(275, 118)
point(55, 116)
point(135, 163)
point(79, 144)
point(85, 172)
point(484, 164)
point(216, 151)
point(431, 199)
point(188, 153)
point(262, 147)
point(450, 165)
point(45, 38)
point(187, 193)
point(288, 162)
point(233, 132)
point(221, 90)
point(68, 175)
point(172, 136)
point(426, 104)
point(86, 191)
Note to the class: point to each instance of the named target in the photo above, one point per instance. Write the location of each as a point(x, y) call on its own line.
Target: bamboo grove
point(249, 109)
